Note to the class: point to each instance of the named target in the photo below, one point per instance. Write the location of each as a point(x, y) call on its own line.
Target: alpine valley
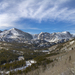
point(46, 53)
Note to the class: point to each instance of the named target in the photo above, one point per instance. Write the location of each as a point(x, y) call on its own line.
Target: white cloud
point(12, 10)
point(7, 21)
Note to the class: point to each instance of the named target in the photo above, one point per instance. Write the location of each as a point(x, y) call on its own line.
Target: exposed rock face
point(54, 36)
point(44, 36)
point(0, 31)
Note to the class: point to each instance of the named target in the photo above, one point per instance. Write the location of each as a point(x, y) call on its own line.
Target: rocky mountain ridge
point(15, 35)
point(24, 37)
point(53, 37)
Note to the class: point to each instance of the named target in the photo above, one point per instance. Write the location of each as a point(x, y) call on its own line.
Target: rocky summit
point(15, 35)
point(53, 37)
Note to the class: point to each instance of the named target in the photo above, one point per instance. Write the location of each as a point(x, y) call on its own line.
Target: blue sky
point(35, 16)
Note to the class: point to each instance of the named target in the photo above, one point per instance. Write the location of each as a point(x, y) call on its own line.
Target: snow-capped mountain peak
point(18, 35)
point(54, 36)
point(65, 32)
point(15, 34)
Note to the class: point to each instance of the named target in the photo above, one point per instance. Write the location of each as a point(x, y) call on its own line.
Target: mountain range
point(17, 35)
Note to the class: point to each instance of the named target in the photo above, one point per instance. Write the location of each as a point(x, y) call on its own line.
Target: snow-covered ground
point(72, 42)
point(28, 63)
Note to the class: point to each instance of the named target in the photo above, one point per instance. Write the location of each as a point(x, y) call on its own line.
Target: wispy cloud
point(12, 10)
point(30, 28)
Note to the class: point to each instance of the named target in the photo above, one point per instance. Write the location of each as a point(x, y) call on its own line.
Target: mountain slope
point(0, 31)
point(64, 62)
point(15, 34)
point(54, 36)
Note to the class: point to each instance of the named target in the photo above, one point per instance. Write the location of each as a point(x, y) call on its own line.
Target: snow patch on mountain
point(15, 34)
point(72, 42)
point(54, 36)
point(20, 36)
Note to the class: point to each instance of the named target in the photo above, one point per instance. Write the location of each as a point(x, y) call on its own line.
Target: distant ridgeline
point(16, 35)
